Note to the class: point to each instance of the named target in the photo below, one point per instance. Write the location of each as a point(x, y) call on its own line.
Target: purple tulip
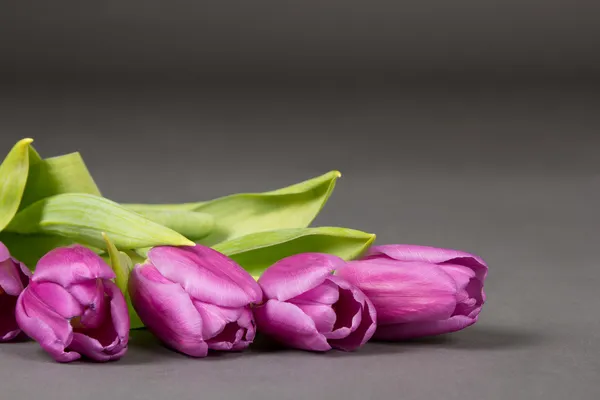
point(73, 309)
point(14, 277)
point(309, 308)
point(195, 299)
point(418, 290)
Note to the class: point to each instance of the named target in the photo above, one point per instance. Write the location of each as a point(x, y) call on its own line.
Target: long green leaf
point(122, 265)
point(193, 225)
point(57, 175)
point(257, 251)
point(237, 215)
point(13, 178)
point(83, 218)
point(30, 248)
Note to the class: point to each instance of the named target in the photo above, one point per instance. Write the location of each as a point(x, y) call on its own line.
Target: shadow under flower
point(476, 338)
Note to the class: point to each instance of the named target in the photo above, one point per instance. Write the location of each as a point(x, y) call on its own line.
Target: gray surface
point(510, 174)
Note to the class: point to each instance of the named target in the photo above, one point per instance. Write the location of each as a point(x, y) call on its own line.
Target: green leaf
point(193, 225)
point(30, 248)
point(237, 215)
point(257, 251)
point(57, 175)
point(122, 265)
point(13, 178)
point(83, 218)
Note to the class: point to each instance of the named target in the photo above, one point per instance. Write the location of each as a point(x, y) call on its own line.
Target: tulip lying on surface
point(308, 308)
point(195, 299)
point(419, 290)
point(73, 309)
point(14, 277)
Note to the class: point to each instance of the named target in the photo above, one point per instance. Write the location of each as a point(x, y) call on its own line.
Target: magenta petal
point(14, 275)
point(247, 325)
point(403, 291)
point(4, 253)
point(297, 274)
point(69, 265)
point(10, 277)
point(94, 350)
point(57, 298)
point(109, 340)
point(118, 311)
point(206, 275)
point(434, 255)
point(409, 252)
point(323, 316)
point(364, 332)
point(50, 330)
point(461, 274)
point(214, 318)
point(167, 310)
point(91, 296)
point(287, 324)
point(326, 293)
point(421, 329)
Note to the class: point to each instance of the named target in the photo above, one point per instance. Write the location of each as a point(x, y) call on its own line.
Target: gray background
point(466, 124)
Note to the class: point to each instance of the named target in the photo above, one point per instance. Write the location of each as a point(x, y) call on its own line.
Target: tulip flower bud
point(73, 309)
point(14, 277)
point(195, 299)
point(418, 290)
point(309, 308)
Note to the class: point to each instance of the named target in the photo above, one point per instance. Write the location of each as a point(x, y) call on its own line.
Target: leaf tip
point(26, 141)
point(337, 174)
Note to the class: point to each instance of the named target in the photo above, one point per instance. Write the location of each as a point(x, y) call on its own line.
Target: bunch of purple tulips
point(195, 299)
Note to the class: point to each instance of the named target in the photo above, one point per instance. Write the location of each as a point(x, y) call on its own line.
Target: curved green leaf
point(57, 175)
point(83, 218)
point(122, 265)
point(13, 178)
point(237, 215)
point(257, 251)
point(193, 225)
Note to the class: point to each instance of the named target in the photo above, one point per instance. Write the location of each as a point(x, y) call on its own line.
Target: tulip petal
point(403, 291)
point(421, 329)
point(227, 338)
point(71, 265)
point(363, 333)
point(50, 330)
point(57, 298)
point(407, 252)
point(214, 318)
point(109, 340)
point(348, 309)
point(90, 295)
point(323, 316)
point(206, 275)
point(287, 323)
point(167, 310)
point(246, 322)
point(461, 274)
point(4, 253)
point(327, 293)
point(8, 324)
point(14, 276)
point(236, 335)
point(297, 274)
point(475, 299)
